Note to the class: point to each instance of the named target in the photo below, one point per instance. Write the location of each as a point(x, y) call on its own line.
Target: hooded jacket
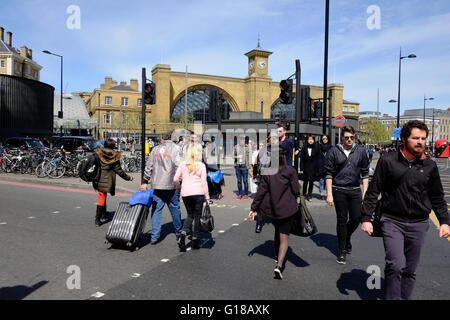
point(110, 166)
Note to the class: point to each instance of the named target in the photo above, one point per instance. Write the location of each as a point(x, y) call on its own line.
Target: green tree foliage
point(378, 133)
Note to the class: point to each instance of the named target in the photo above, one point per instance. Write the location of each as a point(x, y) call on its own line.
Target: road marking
point(55, 212)
point(38, 186)
point(98, 295)
point(436, 222)
point(221, 206)
point(235, 224)
point(233, 207)
point(3, 223)
point(135, 275)
point(165, 260)
point(189, 249)
point(221, 231)
point(77, 207)
point(31, 217)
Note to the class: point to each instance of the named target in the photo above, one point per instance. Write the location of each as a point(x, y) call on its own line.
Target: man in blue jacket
point(346, 164)
point(411, 187)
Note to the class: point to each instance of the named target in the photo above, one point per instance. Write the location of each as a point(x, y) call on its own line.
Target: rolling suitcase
point(127, 225)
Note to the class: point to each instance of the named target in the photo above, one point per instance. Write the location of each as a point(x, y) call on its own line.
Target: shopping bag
point(206, 219)
point(303, 224)
point(216, 176)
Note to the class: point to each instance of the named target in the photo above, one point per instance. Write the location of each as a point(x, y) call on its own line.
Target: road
point(47, 232)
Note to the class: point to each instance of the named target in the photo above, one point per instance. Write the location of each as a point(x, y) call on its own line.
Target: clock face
point(261, 64)
point(251, 64)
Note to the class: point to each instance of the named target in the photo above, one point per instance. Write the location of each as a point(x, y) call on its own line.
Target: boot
point(98, 215)
point(104, 217)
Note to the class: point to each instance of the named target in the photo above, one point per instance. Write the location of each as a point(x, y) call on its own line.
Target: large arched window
point(286, 111)
point(197, 105)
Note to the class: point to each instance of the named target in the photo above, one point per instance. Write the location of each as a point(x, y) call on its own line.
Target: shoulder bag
point(206, 219)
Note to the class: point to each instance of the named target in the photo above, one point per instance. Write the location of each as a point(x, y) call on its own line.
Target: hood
point(108, 156)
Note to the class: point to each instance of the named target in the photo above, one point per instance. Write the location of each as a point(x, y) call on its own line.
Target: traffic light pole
point(297, 108)
point(144, 80)
point(219, 124)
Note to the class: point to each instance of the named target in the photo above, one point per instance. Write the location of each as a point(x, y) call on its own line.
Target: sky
point(119, 38)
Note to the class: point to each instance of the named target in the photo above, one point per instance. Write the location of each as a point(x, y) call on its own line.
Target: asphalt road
point(45, 233)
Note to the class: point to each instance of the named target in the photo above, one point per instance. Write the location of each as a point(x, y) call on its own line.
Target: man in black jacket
point(346, 164)
point(410, 187)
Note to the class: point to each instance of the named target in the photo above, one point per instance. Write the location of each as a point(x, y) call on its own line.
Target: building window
point(108, 101)
point(3, 63)
point(139, 102)
point(124, 101)
point(107, 117)
point(344, 108)
point(352, 109)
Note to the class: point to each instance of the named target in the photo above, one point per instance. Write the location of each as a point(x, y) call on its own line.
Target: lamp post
point(394, 101)
point(399, 77)
point(424, 99)
point(60, 113)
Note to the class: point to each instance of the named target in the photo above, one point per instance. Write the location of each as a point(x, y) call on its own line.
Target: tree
point(378, 133)
point(185, 120)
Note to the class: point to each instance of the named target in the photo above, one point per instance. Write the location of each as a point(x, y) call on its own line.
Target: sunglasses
point(324, 138)
point(349, 138)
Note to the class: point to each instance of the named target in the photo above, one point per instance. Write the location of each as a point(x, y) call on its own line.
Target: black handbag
point(206, 219)
point(303, 224)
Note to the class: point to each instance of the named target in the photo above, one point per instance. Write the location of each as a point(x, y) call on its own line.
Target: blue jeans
point(242, 173)
point(161, 198)
point(321, 185)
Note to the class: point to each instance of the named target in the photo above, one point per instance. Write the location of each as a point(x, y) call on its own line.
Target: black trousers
point(308, 185)
point(194, 206)
point(348, 211)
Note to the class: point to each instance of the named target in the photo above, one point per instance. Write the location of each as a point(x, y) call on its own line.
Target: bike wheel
point(56, 171)
point(40, 170)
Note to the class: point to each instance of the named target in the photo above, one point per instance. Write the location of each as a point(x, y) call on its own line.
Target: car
point(24, 143)
point(72, 143)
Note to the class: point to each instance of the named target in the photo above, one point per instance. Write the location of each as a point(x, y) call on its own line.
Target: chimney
point(2, 34)
point(123, 83)
point(30, 54)
point(9, 38)
point(134, 84)
point(23, 51)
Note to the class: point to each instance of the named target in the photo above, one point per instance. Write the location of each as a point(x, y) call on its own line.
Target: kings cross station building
point(253, 101)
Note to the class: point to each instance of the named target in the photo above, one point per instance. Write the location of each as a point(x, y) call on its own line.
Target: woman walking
point(309, 166)
point(276, 199)
point(194, 192)
point(110, 166)
point(325, 145)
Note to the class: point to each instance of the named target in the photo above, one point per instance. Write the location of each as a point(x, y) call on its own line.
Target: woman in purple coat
point(276, 198)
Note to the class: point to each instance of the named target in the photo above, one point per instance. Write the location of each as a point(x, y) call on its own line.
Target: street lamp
point(399, 77)
point(394, 101)
point(60, 113)
point(424, 99)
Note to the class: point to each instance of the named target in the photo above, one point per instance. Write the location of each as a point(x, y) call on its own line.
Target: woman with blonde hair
point(194, 192)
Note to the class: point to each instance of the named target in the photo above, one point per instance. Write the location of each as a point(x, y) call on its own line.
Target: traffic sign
point(339, 121)
point(397, 132)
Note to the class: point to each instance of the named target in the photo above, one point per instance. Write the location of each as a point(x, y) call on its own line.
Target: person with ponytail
point(194, 192)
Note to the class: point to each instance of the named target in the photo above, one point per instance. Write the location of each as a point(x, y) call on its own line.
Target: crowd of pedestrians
point(407, 180)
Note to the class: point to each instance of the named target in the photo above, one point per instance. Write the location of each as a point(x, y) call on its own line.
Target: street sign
point(397, 132)
point(339, 121)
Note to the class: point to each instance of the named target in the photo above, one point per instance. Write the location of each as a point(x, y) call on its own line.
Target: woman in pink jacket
point(194, 192)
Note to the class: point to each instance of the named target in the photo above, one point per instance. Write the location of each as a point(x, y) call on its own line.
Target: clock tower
point(258, 62)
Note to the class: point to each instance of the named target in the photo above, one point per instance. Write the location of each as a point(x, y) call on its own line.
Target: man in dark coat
point(110, 166)
point(309, 166)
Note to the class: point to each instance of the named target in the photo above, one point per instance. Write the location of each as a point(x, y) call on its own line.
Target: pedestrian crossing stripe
point(435, 221)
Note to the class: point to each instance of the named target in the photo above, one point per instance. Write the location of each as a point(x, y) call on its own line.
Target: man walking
point(287, 144)
point(160, 169)
point(346, 164)
point(410, 187)
point(242, 163)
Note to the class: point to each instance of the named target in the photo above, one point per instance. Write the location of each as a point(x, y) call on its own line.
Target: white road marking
point(235, 224)
point(221, 231)
point(232, 207)
point(135, 275)
point(221, 206)
point(77, 207)
point(3, 223)
point(165, 260)
point(56, 212)
point(189, 249)
point(31, 217)
point(98, 295)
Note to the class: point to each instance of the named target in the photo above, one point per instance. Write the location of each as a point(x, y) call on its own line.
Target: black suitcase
point(127, 225)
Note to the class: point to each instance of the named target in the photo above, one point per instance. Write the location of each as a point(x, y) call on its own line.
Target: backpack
point(89, 168)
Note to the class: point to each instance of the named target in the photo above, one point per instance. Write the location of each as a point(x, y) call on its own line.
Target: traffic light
point(286, 91)
point(225, 109)
point(150, 93)
point(288, 125)
point(317, 109)
point(277, 118)
point(213, 99)
point(304, 104)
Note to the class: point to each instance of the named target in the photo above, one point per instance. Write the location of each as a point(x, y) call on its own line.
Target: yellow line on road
point(435, 221)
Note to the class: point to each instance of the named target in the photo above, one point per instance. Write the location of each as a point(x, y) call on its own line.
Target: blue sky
point(118, 38)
